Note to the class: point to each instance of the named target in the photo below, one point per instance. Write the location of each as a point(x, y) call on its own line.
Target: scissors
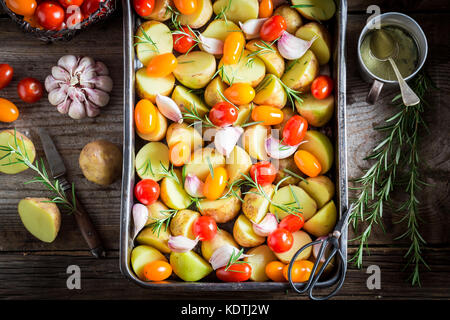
point(330, 246)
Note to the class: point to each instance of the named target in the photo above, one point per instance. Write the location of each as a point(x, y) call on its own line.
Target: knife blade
point(58, 171)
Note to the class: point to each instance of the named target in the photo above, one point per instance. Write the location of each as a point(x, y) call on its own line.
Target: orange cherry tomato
point(145, 116)
point(32, 21)
point(157, 271)
point(8, 111)
point(274, 270)
point(22, 7)
point(268, 115)
point(240, 93)
point(186, 6)
point(180, 153)
point(301, 270)
point(265, 8)
point(233, 46)
point(215, 184)
point(307, 163)
point(162, 65)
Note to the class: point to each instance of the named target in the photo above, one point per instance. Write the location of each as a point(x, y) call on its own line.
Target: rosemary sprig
point(39, 167)
point(146, 39)
point(159, 223)
point(293, 95)
point(194, 35)
point(192, 114)
point(222, 13)
point(234, 259)
point(396, 153)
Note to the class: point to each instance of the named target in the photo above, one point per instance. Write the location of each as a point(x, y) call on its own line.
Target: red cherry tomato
point(292, 222)
point(143, 7)
point(263, 172)
point(50, 15)
point(30, 90)
point(294, 130)
point(146, 191)
point(280, 240)
point(181, 42)
point(273, 28)
point(223, 114)
point(90, 6)
point(6, 74)
point(321, 87)
point(68, 3)
point(205, 228)
point(237, 272)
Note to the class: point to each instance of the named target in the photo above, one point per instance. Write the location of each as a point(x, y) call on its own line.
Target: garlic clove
point(58, 95)
point(77, 110)
point(60, 73)
point(103, 83)
point(63, 107)
point(101, 69)
point(193, 186)
point(169, 108)
point(51, 83)
point(277, 150)
point(292, 47)
point(222, 255)
point(68, 62)
point(226, 139)
point(252, 27)
point(181, 243)
point(266, 226)
point(99, 97)
point(91, 109)
point(140, 217)
point(211, 45)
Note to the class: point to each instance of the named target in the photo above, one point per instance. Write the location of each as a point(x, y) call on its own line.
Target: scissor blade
point(54, 159)
point(343, 221)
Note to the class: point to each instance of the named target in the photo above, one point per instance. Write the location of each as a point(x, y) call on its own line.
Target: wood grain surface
point(32, 269)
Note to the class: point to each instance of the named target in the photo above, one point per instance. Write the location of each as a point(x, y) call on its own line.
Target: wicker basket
point(105, 10)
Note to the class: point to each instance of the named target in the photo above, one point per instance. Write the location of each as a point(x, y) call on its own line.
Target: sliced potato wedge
point(253, 141)
point(248, 70)
point(316, 112)
point(288, 196)
point(237, 163)
point(301, 73)
point(214, 91)
point(270, 92)
point(199, 18)
point(219, 29)
point(181, 132)
point(150, 237)
point(181, 224)
point(256, 206)
point(149, 160)
point(195, 69)
point(148, 87)
point(221, 238)
point(160, 131)
point(243, 233)
point(199, 164)
point(152, 38)
point(315, 9)
point(322, 45)
point(269, 54)
point(237, 10)
point(187, 100)
point(221, 210)
point(301, 238)
point(258, 258)
point(291, 16)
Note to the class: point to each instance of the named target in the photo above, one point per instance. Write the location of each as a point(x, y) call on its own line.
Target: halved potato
point(181, 224)
point(189, 266)
point(148, 87)
point(272, 59)
point(284, 196)
point(243, 233)
point(200, 17)
point(221, 238)
point(187, 100)
point(301, 73)
point(248, 70)
point(152, 38)
point(160, 131)
point(161, 11)
point(316, 112)
point(301, 238)
point(199, 165)
point(219, 29)
point(258, 259)
point(221, 210)
point(323, 222)
point(322, 45)
point(253, 141)
point(156, 211)
point(214, 91)
point(256, 206)
point(320, 188)
point(143, 255)
point(270, 92)
point(237, 163)
point(320, 146)
point(315, 9)
point(26, 145)
point(195, 69)
point(181, 132)
point(237, 10)
point(149, 236)
point(172, 192)
point(149, 159)
point(244, 114)
point(289, 164)
point(291, 16)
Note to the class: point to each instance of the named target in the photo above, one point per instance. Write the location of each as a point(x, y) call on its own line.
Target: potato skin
point(291, 16)
point(222, 210)
point(181, 224)
point(101, 162)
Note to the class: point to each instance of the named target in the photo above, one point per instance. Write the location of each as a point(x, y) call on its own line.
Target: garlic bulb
point(79, 86)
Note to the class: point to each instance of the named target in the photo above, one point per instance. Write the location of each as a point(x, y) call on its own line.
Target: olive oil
point(406, 56)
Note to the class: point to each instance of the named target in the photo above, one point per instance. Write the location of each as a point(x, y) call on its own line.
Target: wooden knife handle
point(87, 228)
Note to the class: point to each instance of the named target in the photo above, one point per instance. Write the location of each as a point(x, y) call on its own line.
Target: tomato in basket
point(68, 3)
point(50, 15)
point(90, 6)
point(22, 7)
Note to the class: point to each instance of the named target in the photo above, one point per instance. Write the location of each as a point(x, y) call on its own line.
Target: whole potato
point(101, 162)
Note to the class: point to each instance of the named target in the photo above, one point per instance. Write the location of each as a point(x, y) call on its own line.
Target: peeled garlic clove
point(266, 226)
point(63, 107)
point(252, 27)
point(226, 139)
point(77, 110)
point(68, 62)
point(51, 83)
point(169, 108)
point(292, 47)
point(222, 255)
point(58, 95)
point(193, 186)
point(277, 150)
point(181, 243)
point(60, 73)
point(140, 216)
point(211, 45)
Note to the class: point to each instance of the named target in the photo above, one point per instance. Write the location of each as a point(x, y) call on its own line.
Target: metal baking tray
point(337, 129)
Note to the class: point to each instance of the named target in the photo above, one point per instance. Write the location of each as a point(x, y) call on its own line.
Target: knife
point(58, 171)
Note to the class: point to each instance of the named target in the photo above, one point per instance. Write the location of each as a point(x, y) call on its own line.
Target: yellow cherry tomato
point(274, 270)
point(265, 9)
point(180, 153)
point(145, 116)
point(233, 46)
point(268, 115)
point(301, 271)
point(186, 6)
point(157, 271)
point(8, 111)
point(307, 163)
point(162, 65)
point(22, 7)
point(215, 184)
point(240, 93)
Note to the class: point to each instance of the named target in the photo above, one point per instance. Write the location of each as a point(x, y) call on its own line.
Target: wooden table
point(32, 269)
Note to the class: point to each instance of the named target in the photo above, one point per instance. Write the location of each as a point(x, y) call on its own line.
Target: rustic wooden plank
point(43, 275)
